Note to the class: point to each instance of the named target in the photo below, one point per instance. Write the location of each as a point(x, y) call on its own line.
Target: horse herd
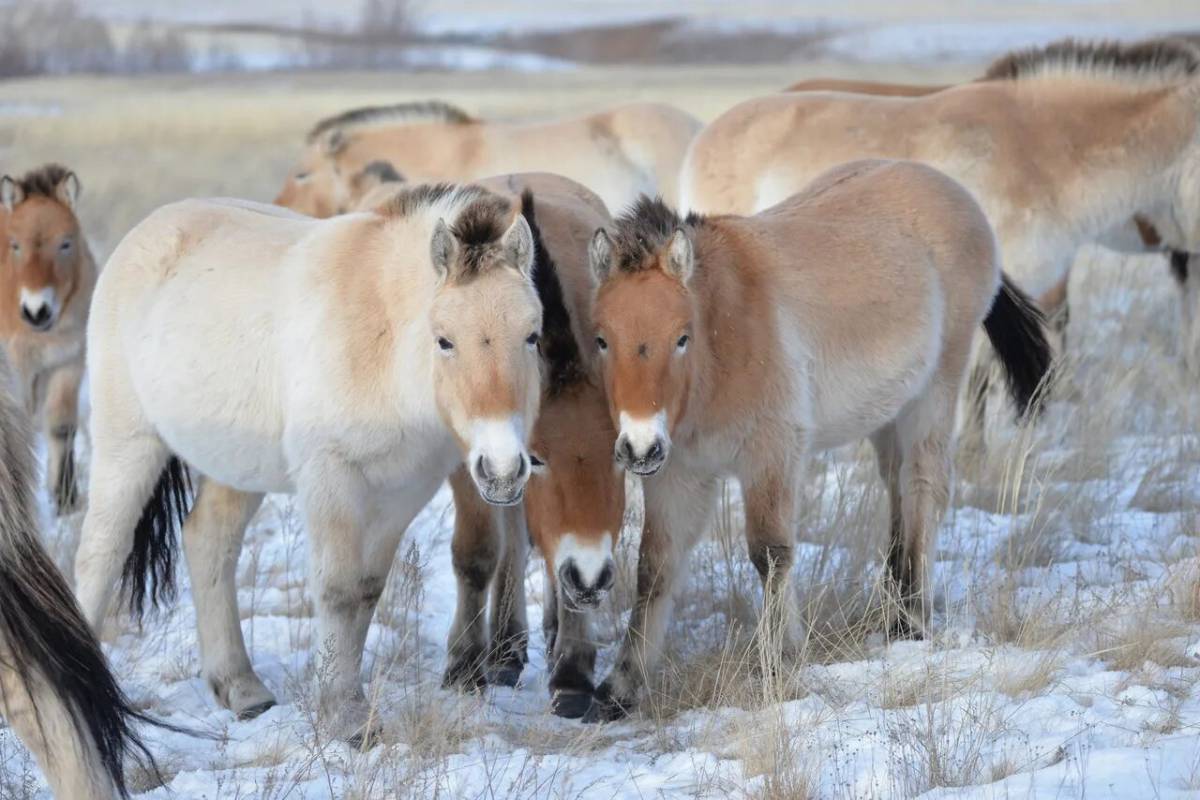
point(436, 297)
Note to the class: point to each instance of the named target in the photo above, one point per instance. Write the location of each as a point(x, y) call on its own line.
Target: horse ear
point(518, 245)
point(680, 259)
point(600, 256)
point(10, 193)
point(67, 190)
point(334, 143)
point(441, 249)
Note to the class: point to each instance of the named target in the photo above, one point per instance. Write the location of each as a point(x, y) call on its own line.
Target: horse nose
point(502, 484)
point(625, 450)
point(38, 317)
point(581, 591)
point(655, 453)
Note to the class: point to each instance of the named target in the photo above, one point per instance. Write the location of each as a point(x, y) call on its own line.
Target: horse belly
point(207, 379)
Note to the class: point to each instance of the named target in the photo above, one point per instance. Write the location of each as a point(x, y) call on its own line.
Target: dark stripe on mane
point(1165, 59)
point(422, 111)
point(44, 180)
point(558, 346)
point(478, 228)
point(644, 230)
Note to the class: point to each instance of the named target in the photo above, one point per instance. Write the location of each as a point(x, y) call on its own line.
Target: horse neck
point(1131, 166)
point(727, 290)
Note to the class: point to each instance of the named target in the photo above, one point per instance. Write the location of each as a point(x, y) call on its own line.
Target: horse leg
point(66, 755)
point(770, 503)
point(62, 412)
point(887, 457)
point(475, 551)
point(334, 498)
point(925, 434)
point(679, 506)
point(212, 542)
point(1189, 309)
point(123, 474)
point(509, 623)
point(572, 654)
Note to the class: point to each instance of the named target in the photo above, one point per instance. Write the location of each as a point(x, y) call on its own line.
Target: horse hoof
point(366, 738)
point(504, 675)
point(465, 675)
point(571, 705)
point(256, 710)
point(607, 707)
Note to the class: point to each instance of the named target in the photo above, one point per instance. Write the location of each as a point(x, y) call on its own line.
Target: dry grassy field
point(1066, 655)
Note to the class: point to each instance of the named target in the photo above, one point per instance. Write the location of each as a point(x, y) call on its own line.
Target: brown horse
point(574, 503)
point(736, 346)
point(46, 279)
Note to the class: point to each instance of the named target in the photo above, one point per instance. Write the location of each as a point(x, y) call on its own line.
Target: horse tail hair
point(44, 637)
point(1016, 328)
point(149, 571)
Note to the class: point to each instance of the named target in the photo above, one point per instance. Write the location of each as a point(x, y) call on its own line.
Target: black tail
point(44, 634)
point(1016, 328)
point(559, 348)
point(149, 572)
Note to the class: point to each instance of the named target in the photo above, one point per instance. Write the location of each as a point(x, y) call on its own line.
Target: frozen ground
point(1065, 660)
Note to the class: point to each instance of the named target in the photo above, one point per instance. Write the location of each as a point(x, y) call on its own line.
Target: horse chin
point(645, 470)
point(505, 500)
point(590, 603)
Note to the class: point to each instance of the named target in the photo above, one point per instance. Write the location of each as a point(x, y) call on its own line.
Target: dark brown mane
point(558, 346)
point(477, 218)
point(1160, 60)
point(43, 181)
point(644, 230)
point(423, 111)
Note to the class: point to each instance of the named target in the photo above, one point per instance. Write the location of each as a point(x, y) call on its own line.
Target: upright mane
point(643, 230)
point(421, 111)
point(477, 218)
point(558, 345)
point(1154, 61)
point(43, 181)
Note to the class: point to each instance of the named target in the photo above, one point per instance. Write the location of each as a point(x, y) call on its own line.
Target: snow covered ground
point(1065, 660)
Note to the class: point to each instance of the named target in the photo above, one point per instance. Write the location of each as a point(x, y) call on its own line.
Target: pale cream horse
point(56, 689)
point(1136, 235)
point(46, 279)
point(619, 153)
point(736, 346)
point(355, 362)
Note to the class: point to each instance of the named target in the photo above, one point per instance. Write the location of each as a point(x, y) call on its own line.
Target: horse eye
point(65, 246)
point(683, 341)
point(301, 176)
point(445, 343)
point(532, 339)
point(601, 344)
point(15, 246)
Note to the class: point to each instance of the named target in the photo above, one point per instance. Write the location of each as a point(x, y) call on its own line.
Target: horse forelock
point(43, 181)
point(644, 230)
point(1157, 61)
point(422, 111)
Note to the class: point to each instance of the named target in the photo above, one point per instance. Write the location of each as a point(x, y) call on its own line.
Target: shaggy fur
point(43, 181)
point(424, 111)
point(149, 573)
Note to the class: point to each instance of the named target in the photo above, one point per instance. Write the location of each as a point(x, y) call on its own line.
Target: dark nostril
point(571, 576)
point(655, 452)
point(522, 468)
point(605, 580)
point(625, 449)
point(481, 469)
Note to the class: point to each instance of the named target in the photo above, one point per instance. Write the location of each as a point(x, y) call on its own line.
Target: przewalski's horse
point(736, 346)
point(1135, 235)
point(575, 504)
point(1063, 146)
point(354, 362)
point(46, 279)
point(56, 690)
point(618, 153)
